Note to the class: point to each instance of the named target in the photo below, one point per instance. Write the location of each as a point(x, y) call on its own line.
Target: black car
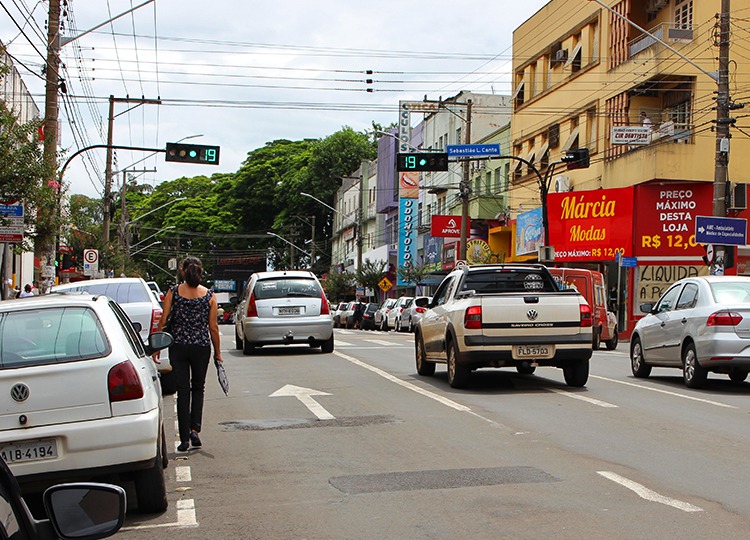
point(368, 316)
point(82, 510)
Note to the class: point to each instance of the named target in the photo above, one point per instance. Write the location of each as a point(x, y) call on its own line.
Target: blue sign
point(471, 150)
point(225, 285)
point(11, 210)
point(720, 230)
point(407, 236)
point(628, 262)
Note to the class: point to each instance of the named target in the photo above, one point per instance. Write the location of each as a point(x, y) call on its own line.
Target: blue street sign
point(473, 150)
point(11, 210)
point(628, 262)
point(720, 230)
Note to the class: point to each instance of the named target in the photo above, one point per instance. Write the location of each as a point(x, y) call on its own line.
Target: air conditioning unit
point(561, 55)
point(738, 197)
point(562, 184)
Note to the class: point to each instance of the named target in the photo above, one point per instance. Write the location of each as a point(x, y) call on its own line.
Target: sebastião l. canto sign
point(591, 225)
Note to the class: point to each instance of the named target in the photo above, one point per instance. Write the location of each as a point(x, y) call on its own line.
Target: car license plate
point(289, 311)
point(29, 451)
point(533, 351)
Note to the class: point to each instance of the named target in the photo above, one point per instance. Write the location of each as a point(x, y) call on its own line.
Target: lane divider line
point(667, 392)
point(183, 474)
point(648, 494)
point(589, 400)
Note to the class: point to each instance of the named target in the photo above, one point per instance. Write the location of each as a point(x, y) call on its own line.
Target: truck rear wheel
point(576, 373)
point(458, 375)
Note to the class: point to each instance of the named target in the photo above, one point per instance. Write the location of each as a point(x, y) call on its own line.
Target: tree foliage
point(370, 274)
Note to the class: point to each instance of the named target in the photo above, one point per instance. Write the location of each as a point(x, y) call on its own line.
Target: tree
point(339, 286)
point(370, 274)
point(414, 274)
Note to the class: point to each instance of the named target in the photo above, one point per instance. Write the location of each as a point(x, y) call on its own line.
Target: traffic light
point(192, 153)
point(427, 161)
point(577, 158)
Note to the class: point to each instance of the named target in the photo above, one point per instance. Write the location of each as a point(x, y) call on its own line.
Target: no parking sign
point(90, 262)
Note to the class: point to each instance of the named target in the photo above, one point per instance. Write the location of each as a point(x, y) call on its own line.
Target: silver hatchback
point(283, 308)
point(699, 325)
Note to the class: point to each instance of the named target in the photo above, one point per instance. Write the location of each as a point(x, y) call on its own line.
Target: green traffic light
point(422, 162)
point(193, 154)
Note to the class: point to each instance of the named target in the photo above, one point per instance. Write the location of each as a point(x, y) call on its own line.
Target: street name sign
point(11, 229)
point(473, 150)
point(720, 230)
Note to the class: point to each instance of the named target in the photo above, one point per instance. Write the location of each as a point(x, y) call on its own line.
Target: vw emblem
point(19, 392)
point(532, 314)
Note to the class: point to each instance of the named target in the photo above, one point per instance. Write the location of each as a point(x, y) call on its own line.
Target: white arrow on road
point(305, 396)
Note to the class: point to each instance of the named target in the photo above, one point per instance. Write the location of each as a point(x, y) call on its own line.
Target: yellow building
point(584, 77)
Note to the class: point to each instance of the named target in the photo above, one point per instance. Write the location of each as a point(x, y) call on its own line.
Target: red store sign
point(591, 225)
point(445, 226)
point(666, 224)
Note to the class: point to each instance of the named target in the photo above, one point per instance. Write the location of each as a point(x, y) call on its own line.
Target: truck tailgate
point(521, 314)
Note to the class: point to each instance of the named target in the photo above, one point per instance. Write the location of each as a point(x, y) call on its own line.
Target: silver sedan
point(699, 325)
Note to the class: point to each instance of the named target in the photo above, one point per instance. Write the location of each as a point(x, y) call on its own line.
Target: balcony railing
point(669, 32)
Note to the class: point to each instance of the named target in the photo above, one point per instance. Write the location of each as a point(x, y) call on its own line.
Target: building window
point(591, 130)
point(683, 14)
point(458, 136)
point(518, 95)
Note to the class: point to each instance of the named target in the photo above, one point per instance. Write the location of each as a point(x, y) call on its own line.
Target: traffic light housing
point(192, 153)
point(578, 158)
point(424, 161)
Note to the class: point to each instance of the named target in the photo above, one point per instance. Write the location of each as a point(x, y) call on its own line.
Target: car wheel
point(424, 367)
point(384, 325)
point(638, 365)
point(397, 326)
point(168, 383)
point(410, 326)
point(692, 372)
point(525, 368)
point(458, 375)
point(612, 343)
point(237, 339)
point(576, 373)
point(247, 347)
point(151, 488)
point(595, 344)
point(327, 345)
point(737, 375)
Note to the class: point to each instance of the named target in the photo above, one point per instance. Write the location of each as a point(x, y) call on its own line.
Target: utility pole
point(723, 122)
point(45, 245)
point(108, 169)
point(465, 189)
point(312, 244)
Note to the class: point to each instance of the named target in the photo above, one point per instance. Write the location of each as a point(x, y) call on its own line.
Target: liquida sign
point(591, 225)
point(445, 227)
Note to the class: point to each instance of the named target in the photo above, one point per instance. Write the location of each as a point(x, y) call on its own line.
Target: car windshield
point(122, 293)
point(286, 287)
point(731, 292)
point(49, 336)
point(508, 280)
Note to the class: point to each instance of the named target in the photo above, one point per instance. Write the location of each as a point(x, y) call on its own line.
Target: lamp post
point(356, 222)
point(291, 244)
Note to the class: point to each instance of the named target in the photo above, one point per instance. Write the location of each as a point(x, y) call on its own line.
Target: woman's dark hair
point(193, 269)
point(27, 288)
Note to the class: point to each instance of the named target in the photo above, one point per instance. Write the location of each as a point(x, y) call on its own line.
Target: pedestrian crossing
point(396, 339)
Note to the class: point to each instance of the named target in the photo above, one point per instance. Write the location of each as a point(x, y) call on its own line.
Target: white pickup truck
point(504, 315)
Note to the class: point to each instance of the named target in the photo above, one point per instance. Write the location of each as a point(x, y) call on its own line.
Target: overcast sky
point(242, 73)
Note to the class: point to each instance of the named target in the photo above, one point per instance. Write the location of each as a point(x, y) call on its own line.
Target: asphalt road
point(371, 450)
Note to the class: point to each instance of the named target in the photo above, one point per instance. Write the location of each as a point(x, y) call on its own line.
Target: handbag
point(168, 323)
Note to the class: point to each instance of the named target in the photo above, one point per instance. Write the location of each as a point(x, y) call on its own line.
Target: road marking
point(185, 518)
point(379, 341)
point(340, 343)
point(409, 386)
point(667, 392)
point(183, 474)
point(645, 493)
point(305, 396)
point(592, 401)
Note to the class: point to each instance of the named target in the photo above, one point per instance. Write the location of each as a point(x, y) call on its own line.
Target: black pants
point(190, 364)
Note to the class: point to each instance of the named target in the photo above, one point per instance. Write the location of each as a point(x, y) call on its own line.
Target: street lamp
point(355, 222)
point(155, 209)
point(151, 236)
point(291, 244)
point(152, 244)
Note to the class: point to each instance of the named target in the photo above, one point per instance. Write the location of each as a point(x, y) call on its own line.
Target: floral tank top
point(190, 319)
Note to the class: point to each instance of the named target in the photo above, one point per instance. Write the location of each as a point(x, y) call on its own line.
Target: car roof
point(51, 299)
point(284, 273)
point(96, 281)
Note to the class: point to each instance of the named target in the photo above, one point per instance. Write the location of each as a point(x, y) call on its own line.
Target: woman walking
point(194, 327)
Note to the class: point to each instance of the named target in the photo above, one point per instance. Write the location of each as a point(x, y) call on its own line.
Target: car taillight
point(324, 309)
point(724, 318)
point(586, 320)
point(252, 309)
point(123, 383)
point(420, 310)
point(155, 318)
point(473, 318)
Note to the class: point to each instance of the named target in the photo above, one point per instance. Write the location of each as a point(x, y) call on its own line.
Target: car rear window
point(122, 293)
point(509, 280)
point(734, 292)
point(287, 287)
point(50, 336)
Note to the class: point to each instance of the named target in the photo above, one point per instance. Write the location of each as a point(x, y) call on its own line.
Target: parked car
point(368, 316)
point(699, 325)
point(140, 303)
point(411, 315)
point(353, 310)
point(154, 286)
point(340, 308)
point(83, 396)
point(69, 514)
point(393, 318)
point(346, 319)
point(382, 312)
point(283, 308)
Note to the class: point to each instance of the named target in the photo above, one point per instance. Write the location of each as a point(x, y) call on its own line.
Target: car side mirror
point(137, 327)
point(158, 341)
point(647, 307)
point(421, 302)
point(85, 510)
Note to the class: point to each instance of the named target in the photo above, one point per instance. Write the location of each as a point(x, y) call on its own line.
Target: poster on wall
point(652, 281)
point(529, 232)
point(671, 209)
point(432, 249)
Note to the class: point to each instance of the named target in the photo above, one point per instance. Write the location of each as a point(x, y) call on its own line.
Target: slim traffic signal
point(578, 158)
point(427, 161)
point(192, 153)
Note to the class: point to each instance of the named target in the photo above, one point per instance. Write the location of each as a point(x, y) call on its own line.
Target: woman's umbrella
point(222, 374)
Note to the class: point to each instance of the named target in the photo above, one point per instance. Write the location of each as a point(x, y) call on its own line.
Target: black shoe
point(195, 440)
point(183, 447)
